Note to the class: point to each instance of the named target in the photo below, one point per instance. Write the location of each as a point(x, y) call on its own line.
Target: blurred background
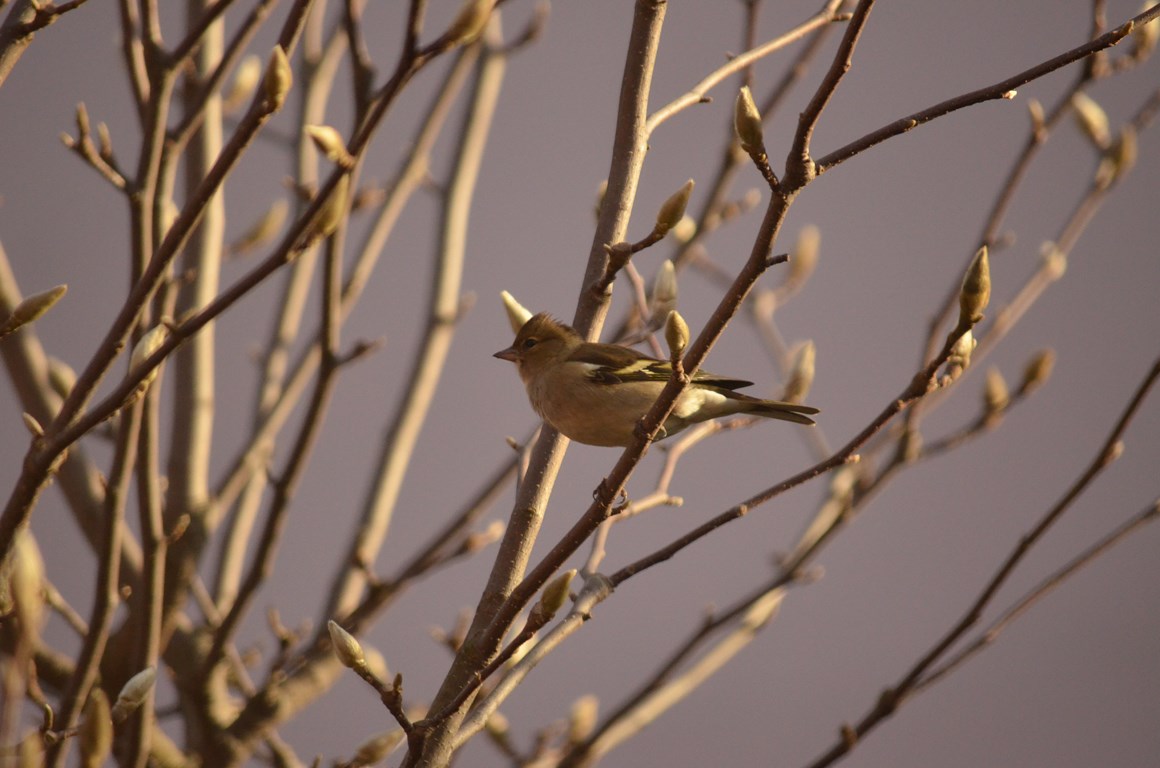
point(1075, 682)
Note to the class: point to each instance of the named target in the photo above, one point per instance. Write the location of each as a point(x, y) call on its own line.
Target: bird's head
point(542, 341)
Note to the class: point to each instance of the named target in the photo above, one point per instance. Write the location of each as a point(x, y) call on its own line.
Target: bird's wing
point(613, 364)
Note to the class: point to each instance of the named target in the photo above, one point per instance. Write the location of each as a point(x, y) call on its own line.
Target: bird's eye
point(529, 343)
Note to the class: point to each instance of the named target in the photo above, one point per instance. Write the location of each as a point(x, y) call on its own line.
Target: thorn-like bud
point(554, 596)
point(1038, 119)
point(801, 375)
point(804, 256)
point(676, 334)
point(333, 210)
point(673, 209)
point(377, 748)
point(1038, 370)
point(664, 291)
point(469, 24)
point(346, 647)
point(329, 141)
point(264, 229)
point(582, 718)
point(976, 290)
point(278, 80)
point(133, 694)
point(747, 123)
point(1091, 119)
point(1120, 157)
point(995, 395)
point(1145, 36)
point(246, 79)
point(32, 425)
point(96, 735)
point(1054, 260)
point(517, 313)
point(32, 308)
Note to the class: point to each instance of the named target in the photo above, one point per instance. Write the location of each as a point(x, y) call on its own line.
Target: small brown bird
point(596, 393)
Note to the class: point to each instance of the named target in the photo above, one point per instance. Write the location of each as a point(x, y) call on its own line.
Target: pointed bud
point(96, 730)
point(23, 582)
point(32, 308)
point(801, 375)
point(804, 256)
point(960, 356)
point(1054, 260)
point(1122, 155)
point(346, 647)
point(469, 24)
point(582, 718)
point(676, 334)
point(517, 313)
point(329, 141)
point(673, 210)
point(1145, 36)
point(378, 748)
point(278, 80)
point(664, 291)
point(333, 210)
point(1038, 370)
point(747, 123)
point(1091, 119)
point(134, 693)
point(976, 290)
point(995, 395)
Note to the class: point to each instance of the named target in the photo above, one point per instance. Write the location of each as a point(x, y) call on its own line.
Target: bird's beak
point(508, 354)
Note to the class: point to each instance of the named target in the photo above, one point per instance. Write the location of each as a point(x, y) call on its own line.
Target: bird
point(596, 393)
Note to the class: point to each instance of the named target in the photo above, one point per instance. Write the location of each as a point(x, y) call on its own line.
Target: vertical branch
point(629, 145)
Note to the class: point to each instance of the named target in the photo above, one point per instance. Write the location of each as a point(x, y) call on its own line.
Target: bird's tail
point(774, 409)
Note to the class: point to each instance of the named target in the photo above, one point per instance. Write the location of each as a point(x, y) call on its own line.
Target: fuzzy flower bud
point(469, 24)
point(995, 395)
point(582, 718)
point(377, 748)
point(676, 334)
point(149, 343)
point(31, 308)
point(245, 81)
point(747, 123)
point(1145, 36)
point(1054, 260)
point(96, 730)
point(1038, 370)
point(329, 141)
point(1091, 119)
point(333, 210)
point(801, 375)
point(32, 425)
point(264, 229)
point(976, 290)
point(133, 694)
point(554, 596)
point(673, 209)
point(804, 256)
point(517, 313)
point(960, 356)
point(61, 376)
point(346, 647)
point(664, 291)
point(278, 80)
